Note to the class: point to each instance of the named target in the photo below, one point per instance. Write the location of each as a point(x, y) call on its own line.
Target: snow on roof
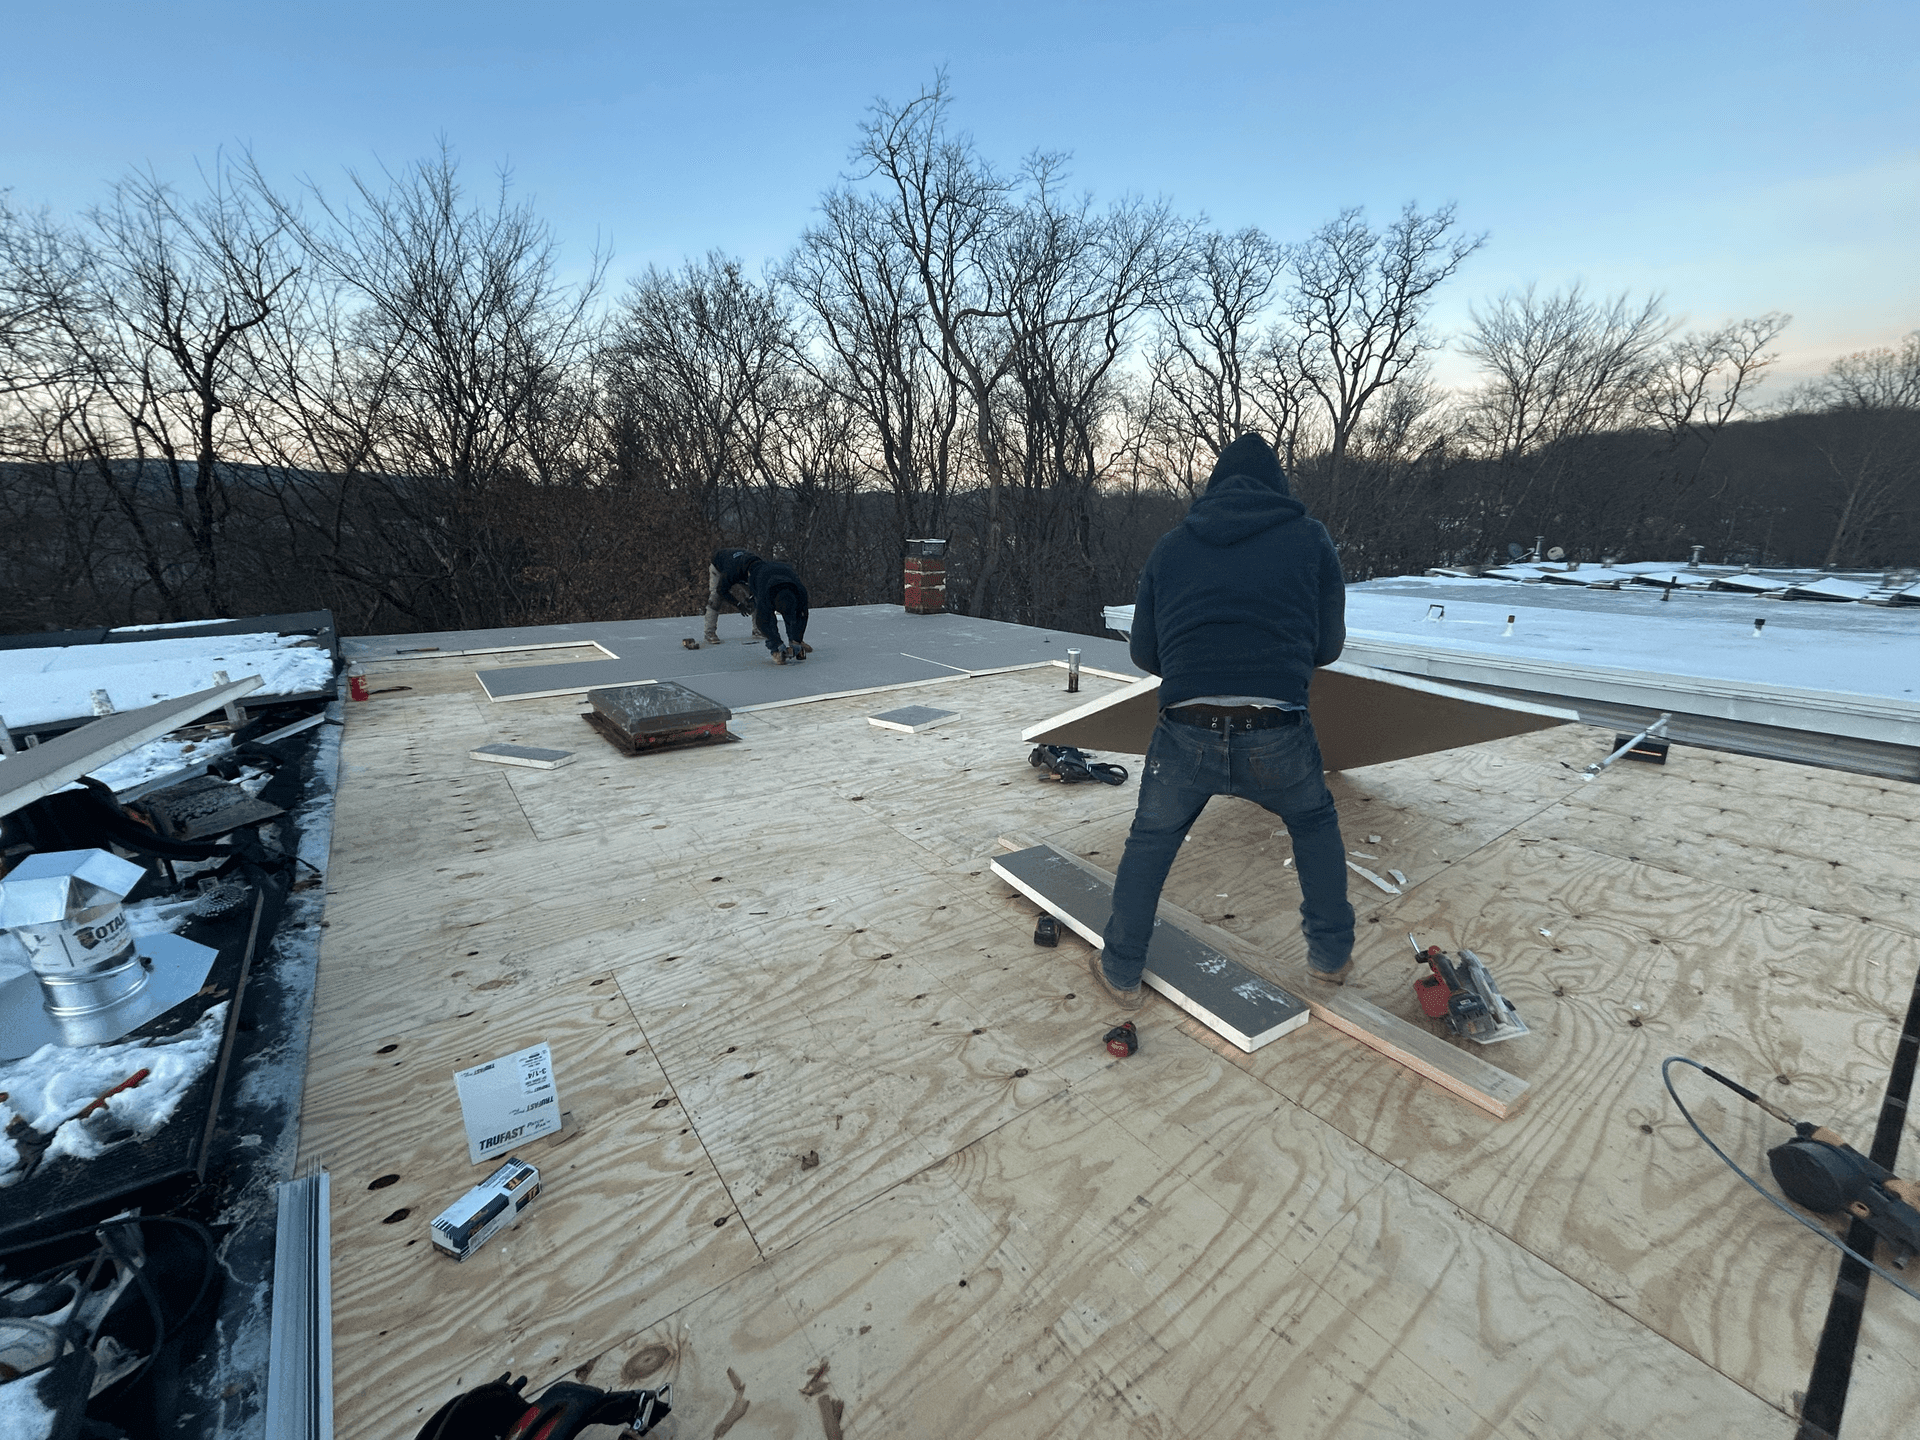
point(51, 684)
point(1859, 650)
point(1828, 587)
point(1751, 584)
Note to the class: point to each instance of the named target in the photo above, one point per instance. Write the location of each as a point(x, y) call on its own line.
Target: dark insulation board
point(1216, 990)
point(856, 648)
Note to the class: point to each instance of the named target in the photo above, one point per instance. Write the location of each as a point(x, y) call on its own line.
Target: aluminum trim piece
point(300, 1351)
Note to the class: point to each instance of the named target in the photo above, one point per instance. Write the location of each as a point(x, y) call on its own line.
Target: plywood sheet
point(1305, 1240)
point(633, 1223)
point(1848, 848)
point(1360, 716)
point(1747, 983)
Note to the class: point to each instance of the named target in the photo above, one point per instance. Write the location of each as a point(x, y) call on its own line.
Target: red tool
point(1122, 1040)
point(99, 1102)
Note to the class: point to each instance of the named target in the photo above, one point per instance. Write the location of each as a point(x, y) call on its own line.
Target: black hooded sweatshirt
point(1244, 596)
point(777, 587)
point(733, 566)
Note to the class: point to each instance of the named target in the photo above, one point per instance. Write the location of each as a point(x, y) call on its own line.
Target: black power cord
point(1666, 1068)
point(148, 1293)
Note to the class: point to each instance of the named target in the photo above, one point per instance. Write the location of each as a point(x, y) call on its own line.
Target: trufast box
point(467, 1224)
point(507, 1102)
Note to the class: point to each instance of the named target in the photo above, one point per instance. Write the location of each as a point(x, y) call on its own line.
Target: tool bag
point(1071, 767)
point(498, 1411)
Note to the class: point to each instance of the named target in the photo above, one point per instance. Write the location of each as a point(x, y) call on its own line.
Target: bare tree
point(139, 334)
point(1001, 262)
point(35, 289)
point(1703, 380)
point(699, 371)
point(1355, 314)
point(1862, 419)
point(1205, 365)
point(1558, 366)
point(872, 347)
point(1883, 379)
point(462, 344)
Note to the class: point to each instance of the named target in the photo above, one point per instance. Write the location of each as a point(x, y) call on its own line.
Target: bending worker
point(727, 584)
point(1238, 604)
point(777, 591)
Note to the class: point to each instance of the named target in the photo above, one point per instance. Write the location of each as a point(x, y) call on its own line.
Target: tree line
point(390, 399)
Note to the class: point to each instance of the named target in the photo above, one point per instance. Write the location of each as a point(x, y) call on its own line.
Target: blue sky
point(1736, 157)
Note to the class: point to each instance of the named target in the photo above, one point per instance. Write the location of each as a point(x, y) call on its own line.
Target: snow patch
point(22, 1416)
point(160, 757)
point(51, 1086)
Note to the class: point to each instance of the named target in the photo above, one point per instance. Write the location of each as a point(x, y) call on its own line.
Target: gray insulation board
point(911, 718)
point(1215, 989)
point(534, 757)
point(857, 647)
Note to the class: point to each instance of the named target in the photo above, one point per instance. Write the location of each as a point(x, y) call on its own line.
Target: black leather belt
point(1226, 719)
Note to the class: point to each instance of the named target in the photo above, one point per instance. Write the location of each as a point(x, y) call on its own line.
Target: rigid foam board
point(1218, 991)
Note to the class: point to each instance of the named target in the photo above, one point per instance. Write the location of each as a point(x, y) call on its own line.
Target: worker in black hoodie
point(777, 591)
point(1237, 605)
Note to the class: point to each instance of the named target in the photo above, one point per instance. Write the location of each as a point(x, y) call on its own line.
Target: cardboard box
point(467, 1224)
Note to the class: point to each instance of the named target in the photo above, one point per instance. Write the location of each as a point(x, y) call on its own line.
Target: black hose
point(1666, 1067)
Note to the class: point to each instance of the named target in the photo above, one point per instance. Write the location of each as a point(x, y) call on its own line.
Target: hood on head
point(1253, 457)
point(1247, 493)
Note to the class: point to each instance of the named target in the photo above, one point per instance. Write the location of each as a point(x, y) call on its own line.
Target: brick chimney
point(926, 577)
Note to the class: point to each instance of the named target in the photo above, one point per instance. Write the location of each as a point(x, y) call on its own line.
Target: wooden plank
point(33, 774)
point(1361, 717)
point(1246, 1007)
point(1426, 1054)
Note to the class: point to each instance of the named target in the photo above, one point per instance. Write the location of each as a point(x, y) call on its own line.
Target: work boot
point(1332, 977)
point(712, 637)
point(1126, 999)
point(779, 656)
point(799, 652)
point(806, 647)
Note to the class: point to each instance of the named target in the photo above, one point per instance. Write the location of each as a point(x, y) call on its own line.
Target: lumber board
point(1420, 1050)
point(1246, 1007)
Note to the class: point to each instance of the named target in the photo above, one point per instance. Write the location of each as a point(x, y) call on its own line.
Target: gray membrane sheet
point(1248, 1009)
point(860, 647)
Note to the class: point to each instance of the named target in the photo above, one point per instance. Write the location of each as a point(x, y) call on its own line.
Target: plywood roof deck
point(846, 1156)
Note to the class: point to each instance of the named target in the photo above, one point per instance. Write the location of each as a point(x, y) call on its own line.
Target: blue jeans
point(1278, 769)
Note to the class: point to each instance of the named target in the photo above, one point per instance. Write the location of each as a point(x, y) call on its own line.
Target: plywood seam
point(1851, 916)
point(525, 818)
point(1490, 1225)
point(693, 1128)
